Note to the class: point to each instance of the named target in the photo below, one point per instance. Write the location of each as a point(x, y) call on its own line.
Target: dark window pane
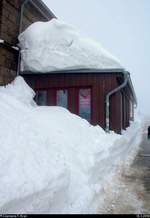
point(62, 98)
point(85, 103)
point(41, 97)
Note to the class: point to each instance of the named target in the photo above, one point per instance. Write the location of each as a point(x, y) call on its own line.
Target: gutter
point(78, 70)
point(126, 79)
point(20, 29)
point(133, 92)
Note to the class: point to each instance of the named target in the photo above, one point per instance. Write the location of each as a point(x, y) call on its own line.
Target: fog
point(122, 27)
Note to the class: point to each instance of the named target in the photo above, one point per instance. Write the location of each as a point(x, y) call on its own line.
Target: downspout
point(20, 29)
point(126, 78)
point(20, 26)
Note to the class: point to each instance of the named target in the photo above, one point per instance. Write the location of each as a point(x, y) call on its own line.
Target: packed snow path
point(134, 186)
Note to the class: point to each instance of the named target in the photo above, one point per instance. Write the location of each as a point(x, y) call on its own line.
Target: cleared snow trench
point(52, 161)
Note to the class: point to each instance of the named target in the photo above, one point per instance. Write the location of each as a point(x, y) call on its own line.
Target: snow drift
point(52, 161)
point(54, 45)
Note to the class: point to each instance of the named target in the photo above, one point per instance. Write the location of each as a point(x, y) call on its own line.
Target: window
point(41, 97)
point(62, 98)
point(85, 104)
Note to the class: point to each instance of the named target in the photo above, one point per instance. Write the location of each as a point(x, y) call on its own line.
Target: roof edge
point(132, 89)
point(85, 70)
point(47, 13)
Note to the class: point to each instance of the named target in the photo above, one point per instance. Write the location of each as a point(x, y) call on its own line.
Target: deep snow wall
point(52, 161)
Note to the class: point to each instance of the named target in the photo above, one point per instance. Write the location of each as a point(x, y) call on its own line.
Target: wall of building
point(9, 28)
point(0, 16)
point(8, 66)
point(100, 84)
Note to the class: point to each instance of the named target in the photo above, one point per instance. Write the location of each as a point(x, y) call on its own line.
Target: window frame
point(91, 100)
point(35, 98)
point(69, 97)
point(55, 96)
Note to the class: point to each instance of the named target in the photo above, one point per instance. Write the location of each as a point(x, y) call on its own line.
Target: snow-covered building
point(67, 69)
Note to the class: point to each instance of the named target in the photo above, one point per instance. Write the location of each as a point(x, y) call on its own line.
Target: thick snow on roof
point(54, 45)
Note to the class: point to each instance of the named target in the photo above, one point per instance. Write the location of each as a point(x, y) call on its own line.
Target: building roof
point(41, 6)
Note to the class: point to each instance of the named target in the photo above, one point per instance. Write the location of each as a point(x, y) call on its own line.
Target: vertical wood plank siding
point(100, 85)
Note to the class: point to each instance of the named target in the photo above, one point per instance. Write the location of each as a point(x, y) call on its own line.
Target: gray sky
point(122, 27)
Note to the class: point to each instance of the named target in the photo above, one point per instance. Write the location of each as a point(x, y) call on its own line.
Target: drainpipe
point(20, 29)
point(126, 78)
point(20, 25)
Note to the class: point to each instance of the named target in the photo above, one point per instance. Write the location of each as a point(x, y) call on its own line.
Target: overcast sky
point(122, 27)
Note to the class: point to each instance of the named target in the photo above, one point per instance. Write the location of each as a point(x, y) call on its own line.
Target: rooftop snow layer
point(54, 45)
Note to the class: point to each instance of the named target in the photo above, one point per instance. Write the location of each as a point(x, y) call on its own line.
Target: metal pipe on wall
point(126, 78)
point(21, 22)
point(20, 29)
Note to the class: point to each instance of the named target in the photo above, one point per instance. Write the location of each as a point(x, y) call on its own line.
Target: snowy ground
point(133, 195)
point(52, 161)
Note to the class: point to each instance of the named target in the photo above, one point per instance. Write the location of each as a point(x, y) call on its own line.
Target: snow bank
point(20, 90)
point(54, 45)
point(52, 161)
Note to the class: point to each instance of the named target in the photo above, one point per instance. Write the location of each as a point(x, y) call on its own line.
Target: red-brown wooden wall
point(100, 83)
